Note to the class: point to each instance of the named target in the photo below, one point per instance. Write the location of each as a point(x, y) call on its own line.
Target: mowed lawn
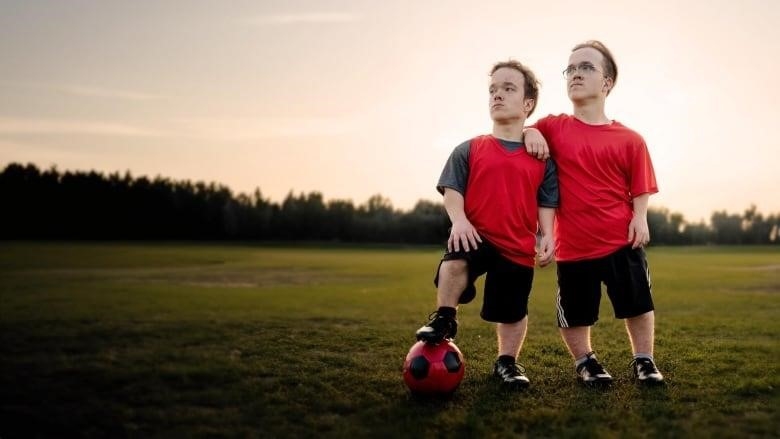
point(192, 340)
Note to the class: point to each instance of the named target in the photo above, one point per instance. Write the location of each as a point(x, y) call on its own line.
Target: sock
point(447, 311)
point(639, 355)
point(584, 358)
point(506, 359)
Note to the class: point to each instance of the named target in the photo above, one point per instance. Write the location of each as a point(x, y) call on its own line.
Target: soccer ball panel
point(419, 367)
point(452, 361)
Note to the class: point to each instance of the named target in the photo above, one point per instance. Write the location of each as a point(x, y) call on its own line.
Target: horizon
point(355, 203)
point(353, 99)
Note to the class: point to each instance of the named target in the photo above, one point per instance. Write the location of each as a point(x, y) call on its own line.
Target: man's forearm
point(454, 204)
point(640, 205)
point(546, 219)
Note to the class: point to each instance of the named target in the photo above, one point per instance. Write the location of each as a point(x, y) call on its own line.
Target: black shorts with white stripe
point(626, 276)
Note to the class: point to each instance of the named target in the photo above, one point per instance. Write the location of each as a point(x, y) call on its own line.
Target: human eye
point(570, 69)
point(587, 67)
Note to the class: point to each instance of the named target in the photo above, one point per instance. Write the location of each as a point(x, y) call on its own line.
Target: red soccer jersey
point(501, 199)
point(601, 169)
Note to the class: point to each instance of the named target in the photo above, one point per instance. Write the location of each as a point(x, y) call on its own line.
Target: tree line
point(49, 204)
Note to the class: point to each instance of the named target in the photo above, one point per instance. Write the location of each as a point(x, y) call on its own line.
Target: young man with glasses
point(498, 196)
point(606, 178)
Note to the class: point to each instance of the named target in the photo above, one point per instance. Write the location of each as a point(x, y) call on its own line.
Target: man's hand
point(546, 250)
point(638, 231)
point(535, 144)
point(463, 235)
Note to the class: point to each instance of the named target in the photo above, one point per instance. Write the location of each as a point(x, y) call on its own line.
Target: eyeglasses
point(586, 68)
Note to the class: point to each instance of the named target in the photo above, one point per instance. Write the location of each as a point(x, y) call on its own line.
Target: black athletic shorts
point(507, 284)
point(624, 272)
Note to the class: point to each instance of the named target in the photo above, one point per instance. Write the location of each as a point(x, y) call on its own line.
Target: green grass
point(185, 340)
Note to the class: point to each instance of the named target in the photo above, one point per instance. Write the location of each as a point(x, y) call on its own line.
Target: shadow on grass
point(480, 407)
point(622, 409)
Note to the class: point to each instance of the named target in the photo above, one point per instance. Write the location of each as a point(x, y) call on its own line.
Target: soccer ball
point(433, 369)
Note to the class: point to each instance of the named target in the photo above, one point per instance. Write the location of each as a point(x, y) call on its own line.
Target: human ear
point(607, 84)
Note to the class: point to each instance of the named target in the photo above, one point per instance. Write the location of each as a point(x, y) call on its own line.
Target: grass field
point(185, 340)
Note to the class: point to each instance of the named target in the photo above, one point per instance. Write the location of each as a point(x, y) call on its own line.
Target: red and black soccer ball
point(433, 369)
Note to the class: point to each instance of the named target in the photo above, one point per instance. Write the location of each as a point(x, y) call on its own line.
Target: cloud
point(11, 125)
point(106, 93)
point(305, 18)
point(86, 90)
point(211, 129)
point(242, 129)
point(10, 145)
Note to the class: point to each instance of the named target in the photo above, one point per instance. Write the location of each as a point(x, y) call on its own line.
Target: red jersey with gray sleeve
point(503, 187)
point(601, 169)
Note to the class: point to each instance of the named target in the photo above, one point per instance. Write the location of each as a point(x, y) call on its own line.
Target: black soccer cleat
point(512, 375)
point(645, 372)
point(591, 372)
point(438, 328)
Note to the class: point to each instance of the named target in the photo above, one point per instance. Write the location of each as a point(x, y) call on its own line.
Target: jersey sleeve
point(455, 174)
point(547, 195)
point(642, 172)
point(543, 125)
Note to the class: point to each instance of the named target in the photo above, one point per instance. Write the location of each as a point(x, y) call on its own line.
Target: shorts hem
point(633, 314)
point(577, 324)
point(495, 319)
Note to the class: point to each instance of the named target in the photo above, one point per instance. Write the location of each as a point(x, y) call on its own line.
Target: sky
point(354, 98)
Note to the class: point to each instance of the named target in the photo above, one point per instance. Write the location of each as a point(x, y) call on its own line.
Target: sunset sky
point(353, 98)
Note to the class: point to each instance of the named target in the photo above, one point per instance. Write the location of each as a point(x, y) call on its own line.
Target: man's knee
point(454, 269)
